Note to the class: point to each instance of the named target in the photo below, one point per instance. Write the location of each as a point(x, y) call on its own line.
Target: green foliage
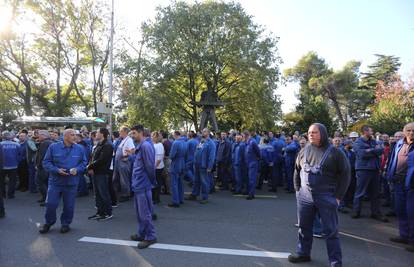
point(210, 46)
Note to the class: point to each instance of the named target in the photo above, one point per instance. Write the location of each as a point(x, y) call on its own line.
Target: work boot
point(356, 215)
point(398, 239)
point(136, 237)
point(64, 229)
point(45, 228)
point(379, 217)
point(191, 197)
point(173, 205)
point(297, 258)
point(146, 243)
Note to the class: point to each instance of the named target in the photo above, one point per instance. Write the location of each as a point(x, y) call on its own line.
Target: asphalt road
point(226, 222)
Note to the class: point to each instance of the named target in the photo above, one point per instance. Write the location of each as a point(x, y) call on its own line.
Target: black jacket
point(101, 158)
point(41, 152)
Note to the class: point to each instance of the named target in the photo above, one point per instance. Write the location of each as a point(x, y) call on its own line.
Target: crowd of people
point(327, 174)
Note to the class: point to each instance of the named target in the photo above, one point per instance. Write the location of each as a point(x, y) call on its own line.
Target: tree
point(209, 46)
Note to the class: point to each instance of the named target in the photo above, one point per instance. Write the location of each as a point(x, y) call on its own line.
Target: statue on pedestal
point(209, 102)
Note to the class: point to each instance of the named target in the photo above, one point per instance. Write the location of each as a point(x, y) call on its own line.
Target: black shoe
point(191, 197)
point(146, 243)
point(154, 217)
point(250, 197)
point(2, 214)
point(297, 258)
point(390, 214)
point(124, 199)
point(203, 201)
point(114, 205)
point(224, 188)
point(64, 229)
point(380, 218)
point(356, 215)
point(237, 193)
point(42, 204)
point(343, 210)
point(136, 237)
point(45, 228)
point(398, 239)
point(410, 248)
point(245, 193)
point(173, 205)
point(41, 200)
point(105, 217)
point(94, 217)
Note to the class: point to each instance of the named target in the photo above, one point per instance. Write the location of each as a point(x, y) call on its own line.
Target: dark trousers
point(112, 192)
point(1, 201)
point(325, 204)
point(367, 181)
point(223, 173)
point(23, 173)
point(404, 208)
point(12, 174)
point(265, 174)
point(277, 176)
point(32, 177)
point(42, 178)
point(54, 194)
point(102, 196)
point(156, 191)
point(290, 169)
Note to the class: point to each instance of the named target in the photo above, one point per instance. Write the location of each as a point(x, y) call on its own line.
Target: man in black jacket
point(2, 212)
point(42, 176)
point(99, 170)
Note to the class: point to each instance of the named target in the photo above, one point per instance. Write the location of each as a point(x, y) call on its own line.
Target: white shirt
point(126, 144)
point(159, 155)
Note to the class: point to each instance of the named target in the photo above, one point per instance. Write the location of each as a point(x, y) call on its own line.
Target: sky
point(339, 31)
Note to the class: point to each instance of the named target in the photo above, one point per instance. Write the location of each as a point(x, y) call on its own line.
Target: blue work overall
point(316, 195)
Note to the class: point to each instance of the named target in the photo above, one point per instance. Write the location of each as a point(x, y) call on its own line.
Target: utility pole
point(111, 65)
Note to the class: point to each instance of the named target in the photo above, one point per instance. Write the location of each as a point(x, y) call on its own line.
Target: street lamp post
point(111, 64)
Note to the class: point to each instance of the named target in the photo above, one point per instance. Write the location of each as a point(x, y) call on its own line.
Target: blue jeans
point(309, 204)
point(102, 196)
point(144, 210)
point(201, 181)
point(367, 181)
point(54, 193)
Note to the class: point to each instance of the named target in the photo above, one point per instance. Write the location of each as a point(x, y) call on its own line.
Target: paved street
point(227, 222)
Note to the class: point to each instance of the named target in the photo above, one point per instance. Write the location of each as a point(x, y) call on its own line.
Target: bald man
point(400, 173)
point(65, 162)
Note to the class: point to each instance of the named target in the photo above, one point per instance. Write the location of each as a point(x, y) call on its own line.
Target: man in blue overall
point(291, 150)
point(65, 162)
point(321, 178)
point(400, 173)
point(238, 162)
point(143, 180)
point(367, 166)
point(11, 158)
point(204, 159)
point(266, 162)
point(252, 156)
point(177, 169)
point(191, 148)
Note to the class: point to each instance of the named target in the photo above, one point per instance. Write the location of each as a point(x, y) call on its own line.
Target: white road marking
point(369, 240)
point(222, 251)
point(257, 196)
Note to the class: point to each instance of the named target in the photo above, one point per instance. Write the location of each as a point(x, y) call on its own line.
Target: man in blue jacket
point(400, 173)
point(177, 169)
point(223, 159)
point(367, 166)
point(191, 148)
point(291, 150)
point(204, 159)
point(11, 159)
point(65, 162)
point(143, 180)
point(238, 162)
point(277, 175)
point(252, 156)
